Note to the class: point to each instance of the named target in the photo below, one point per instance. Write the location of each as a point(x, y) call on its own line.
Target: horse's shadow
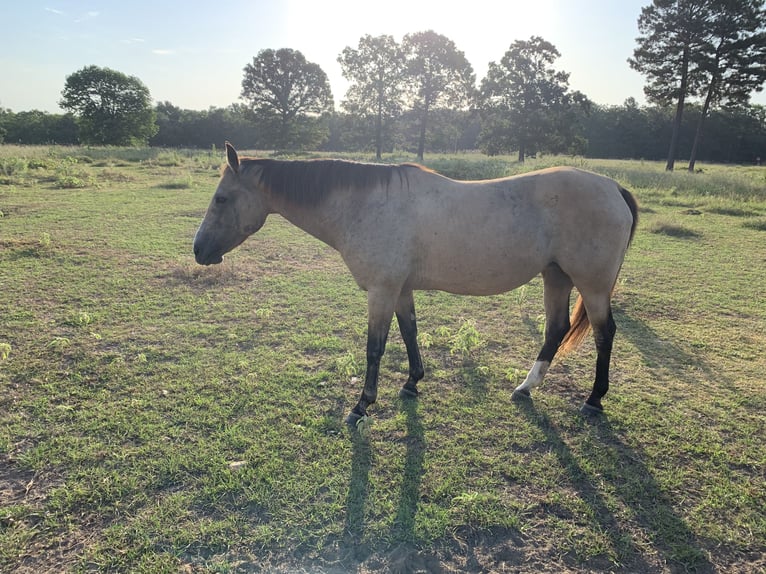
point(363, 457)
point(663, 356)
point(650, 506)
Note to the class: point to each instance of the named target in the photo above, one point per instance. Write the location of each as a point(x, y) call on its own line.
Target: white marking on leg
point(535, 376)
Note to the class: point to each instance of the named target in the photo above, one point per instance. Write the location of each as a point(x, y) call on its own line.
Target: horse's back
point(492, 236)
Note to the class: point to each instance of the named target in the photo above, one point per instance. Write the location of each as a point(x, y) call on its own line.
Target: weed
point(183, 183)
point(757, 224)
point(347, 365)
point(79, 319)
point(364, 426)
point(13, 166)
point(673, 230)
point(263, 313)
point(59, 343)
point(425, 340)
point(69, 176)
point(732, 211)
point(520, 295)
point(44, 242)
point(515, 375)
point(466, 340)
point(5, 351)
point(169, 159)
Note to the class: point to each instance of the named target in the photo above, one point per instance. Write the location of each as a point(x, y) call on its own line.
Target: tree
point(376, 69)
point(441, 77)
point(4, 116)
point(287, 94)
point(733, 59)
point(112, 108)
point(35, 127)
point(526, 103)
point(672, 33)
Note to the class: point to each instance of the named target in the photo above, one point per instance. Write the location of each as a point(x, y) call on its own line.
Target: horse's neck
point(323, 221)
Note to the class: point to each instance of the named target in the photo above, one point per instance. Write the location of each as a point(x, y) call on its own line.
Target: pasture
point(159, 416)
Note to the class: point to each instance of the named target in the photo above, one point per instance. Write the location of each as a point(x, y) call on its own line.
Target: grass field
point(158, 416)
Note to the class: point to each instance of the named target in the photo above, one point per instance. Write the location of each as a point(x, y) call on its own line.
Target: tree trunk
point(284, 132)
point(679, 111)
point(700, 124)
point(422, 142)
point(522, 152)
point(378, 134)
point(705, 109)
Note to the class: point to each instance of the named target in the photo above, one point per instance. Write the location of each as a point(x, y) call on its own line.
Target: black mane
point(310, 181)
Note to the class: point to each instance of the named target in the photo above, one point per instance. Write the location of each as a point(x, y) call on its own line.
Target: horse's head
point(235, 212)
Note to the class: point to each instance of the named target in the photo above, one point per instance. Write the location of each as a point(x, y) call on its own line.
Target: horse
point(402, 228)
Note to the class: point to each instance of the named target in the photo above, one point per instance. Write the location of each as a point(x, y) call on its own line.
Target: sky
point(192, 53)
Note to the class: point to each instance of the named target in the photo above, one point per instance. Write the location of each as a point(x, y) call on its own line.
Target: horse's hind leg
point(405, 316)
point(604, 329)
point(557, 288)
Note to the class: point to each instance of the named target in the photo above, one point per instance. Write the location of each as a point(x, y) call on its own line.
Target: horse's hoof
point(589, 410)
point(353, 418)
point(521, 395)
point(408, 392)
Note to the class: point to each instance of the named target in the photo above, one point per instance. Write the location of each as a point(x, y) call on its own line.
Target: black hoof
point(354, 417)
point(521, 395)
point(408, 392)
point(589, 410)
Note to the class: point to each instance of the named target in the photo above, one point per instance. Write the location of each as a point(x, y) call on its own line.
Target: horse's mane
point(310, 181)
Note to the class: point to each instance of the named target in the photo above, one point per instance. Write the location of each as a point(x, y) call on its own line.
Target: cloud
point(161, 52)
point(53, 10)
point(87, 16)
point(133, 41)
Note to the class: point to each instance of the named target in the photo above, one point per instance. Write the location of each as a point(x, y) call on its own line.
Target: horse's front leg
point(380, 309)
point(405, 316)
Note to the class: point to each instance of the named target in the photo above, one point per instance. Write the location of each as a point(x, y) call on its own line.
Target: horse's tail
point(579, 323)
point(633, 206)
point(578, 329)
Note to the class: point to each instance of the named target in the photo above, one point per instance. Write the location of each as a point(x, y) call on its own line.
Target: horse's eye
point(220, 199)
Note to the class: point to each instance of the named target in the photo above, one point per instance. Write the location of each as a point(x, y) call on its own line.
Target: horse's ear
point(232, 158)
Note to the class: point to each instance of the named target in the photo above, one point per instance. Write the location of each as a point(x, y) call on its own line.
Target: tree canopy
point(376, 69)
point(112, 108)
point(287, 94)
point(733, 61)
point(709, 48)
point(440, 77)
point(526, 103)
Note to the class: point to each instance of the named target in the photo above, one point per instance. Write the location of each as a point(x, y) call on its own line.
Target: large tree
point(112, 108)
point(526, 103)
point(376, 70)
point(672, 33)
point(440, 75)
point(733, 59)
point(288, 95)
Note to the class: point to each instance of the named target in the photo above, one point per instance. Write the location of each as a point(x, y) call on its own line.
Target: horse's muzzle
point(206, 257)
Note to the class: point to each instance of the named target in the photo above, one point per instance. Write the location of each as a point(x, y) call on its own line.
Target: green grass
point(158, 416)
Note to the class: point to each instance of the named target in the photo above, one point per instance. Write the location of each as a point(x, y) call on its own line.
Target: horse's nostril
point(196, 250)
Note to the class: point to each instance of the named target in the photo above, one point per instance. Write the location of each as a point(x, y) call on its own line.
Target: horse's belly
point(476, 275)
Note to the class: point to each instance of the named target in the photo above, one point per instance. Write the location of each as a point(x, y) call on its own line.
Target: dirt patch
point(499, 550)
point(23, 494)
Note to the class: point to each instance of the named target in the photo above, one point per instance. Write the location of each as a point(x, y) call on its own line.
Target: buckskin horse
point(402, 228)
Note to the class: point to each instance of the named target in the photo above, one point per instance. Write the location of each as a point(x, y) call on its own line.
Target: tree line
point(421, 93)
point(626, 131)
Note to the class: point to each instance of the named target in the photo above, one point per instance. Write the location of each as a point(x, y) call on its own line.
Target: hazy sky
point(192, 53)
